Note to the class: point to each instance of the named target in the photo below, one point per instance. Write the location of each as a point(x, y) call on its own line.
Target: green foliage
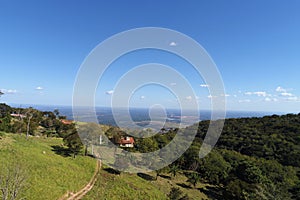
point(271, 137)
point(214, 168)
point(173, 170)
point(237, 189)
point(145, 145)
point(33, 122)
point(4, 110)
point(5, 118)
point(255, 158)
point(296, 191)
point(249, 172)
point(74, 143)
point(175, 193)
point(193, 178)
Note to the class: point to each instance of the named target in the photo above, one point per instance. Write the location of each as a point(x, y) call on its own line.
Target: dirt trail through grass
point(78, 195)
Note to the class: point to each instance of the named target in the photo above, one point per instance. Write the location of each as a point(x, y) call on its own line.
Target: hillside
point(271, 137)
point(255, 158)
point(48, 175)
point(113, 186)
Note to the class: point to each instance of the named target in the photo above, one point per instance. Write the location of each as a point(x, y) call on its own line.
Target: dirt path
point(78, 195)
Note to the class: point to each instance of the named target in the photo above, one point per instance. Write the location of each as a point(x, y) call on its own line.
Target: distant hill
point(105, 115)
point(275, 137)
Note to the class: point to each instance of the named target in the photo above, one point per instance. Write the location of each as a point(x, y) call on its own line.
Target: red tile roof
point(126, 140)
point(65, 121)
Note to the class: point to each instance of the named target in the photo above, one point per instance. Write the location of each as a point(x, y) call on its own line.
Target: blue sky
point(255, 45)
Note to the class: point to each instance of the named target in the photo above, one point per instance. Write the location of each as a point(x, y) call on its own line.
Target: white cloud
point(173, 84)
point(259, 93)
point(142, 97)
point(8, 91)
point(293, 99)
point(173, 44)
point(188, 98)
point(268, 99)
point(286, 94)
point(245, 101)
point(109, 92)
point(204, 85)
point(39, 88)
point(280, 89)
point(235, 96)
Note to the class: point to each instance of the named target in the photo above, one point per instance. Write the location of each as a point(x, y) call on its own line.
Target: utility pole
point(100, 140)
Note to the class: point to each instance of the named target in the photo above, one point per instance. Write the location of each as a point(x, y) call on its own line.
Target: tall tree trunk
point(28, 126)
point(86, 150)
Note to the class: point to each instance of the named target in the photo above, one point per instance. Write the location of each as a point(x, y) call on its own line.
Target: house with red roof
point(17, 115)
point(126, 142)
point(67, 122)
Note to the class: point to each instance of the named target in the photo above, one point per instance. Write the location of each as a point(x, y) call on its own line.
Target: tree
point(74, 143)
point(249, 172)
point(29, 117)
point(193, 178)
point(191, 158)
point(5, 118)
point(175, 193)
point(237, 189)
point(214, 168)
point(12, 180)
point(145, 145)
point(159, 172)
point(56, 112)
point(90, 133)
point(173, 170)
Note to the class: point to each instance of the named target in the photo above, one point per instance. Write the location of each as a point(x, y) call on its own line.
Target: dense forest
point(255, 158)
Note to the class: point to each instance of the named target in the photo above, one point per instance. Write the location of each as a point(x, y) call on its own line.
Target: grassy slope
point(181, 181)
point(124, 186)
point(133, 187)
point(49, 175)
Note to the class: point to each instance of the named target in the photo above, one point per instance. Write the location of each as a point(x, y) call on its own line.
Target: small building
point(17, 115)
point(126, 142)
point(65, 121)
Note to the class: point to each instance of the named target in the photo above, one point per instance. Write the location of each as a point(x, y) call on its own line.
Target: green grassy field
point(166, 182)
point(49, 175)
point(124, 186)
point(127, 186)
